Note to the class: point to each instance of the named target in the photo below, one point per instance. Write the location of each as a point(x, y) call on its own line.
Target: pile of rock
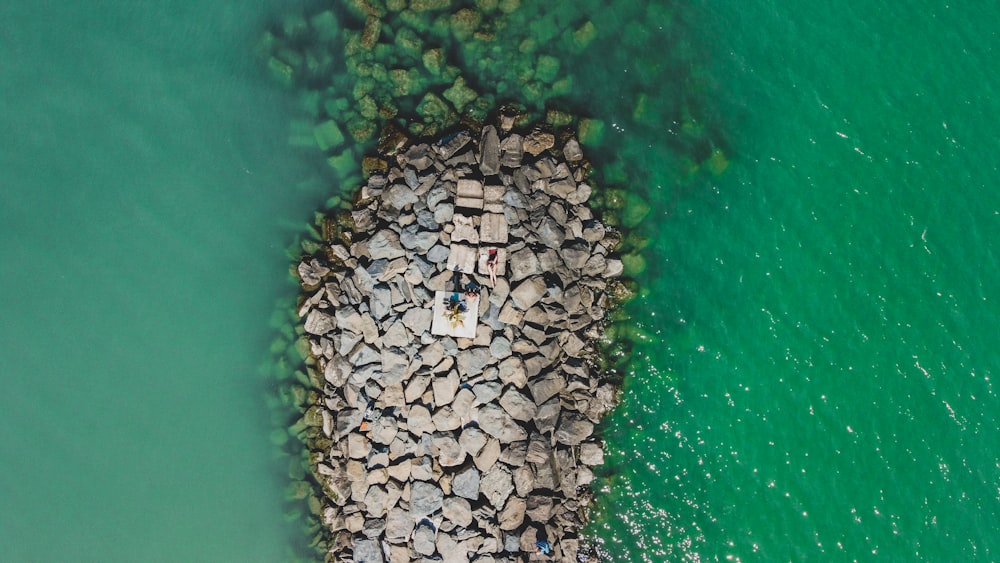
point(452, 448)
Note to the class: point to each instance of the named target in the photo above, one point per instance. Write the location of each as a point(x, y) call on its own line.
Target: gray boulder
point(495, 421)
point(425, 499)
point(489, 159)
point(367, 551)
point(518, 406)
point(385, 244)
point(466, 483)
point(573, 428)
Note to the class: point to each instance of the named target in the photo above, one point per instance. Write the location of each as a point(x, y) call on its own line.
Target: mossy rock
point(563, 86)
point(509, 6)
point(418, 21)
point(404, 82)
point(637, 241)
point(590, 131)
point(465, 22)
point(433, 108)
point(343, 164)
point(373, 164)
point(459, 94)
point(335, 106)
point(279, 437)
point(615, 199)
point(692, 128)
point(640, 107)
point(294, 26)
point(585, 35)
point(557, 118)
point(328, 135)
point(487, 6)
point(634, 264)
point(547, 68)
point(717, 163)
point(282, 71)
point(325, 26)
point(409, 42)
point(427, 5)
point(363, 87)
point(614, 173)
point(433, 60)
point(635, 211)
point(368, 108)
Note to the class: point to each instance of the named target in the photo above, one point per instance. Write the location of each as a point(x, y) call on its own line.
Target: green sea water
point(816, 378)
point(819, 385)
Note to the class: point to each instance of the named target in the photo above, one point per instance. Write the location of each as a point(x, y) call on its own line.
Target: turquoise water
point(816, 383)
point(145, 174)
point(820, 382)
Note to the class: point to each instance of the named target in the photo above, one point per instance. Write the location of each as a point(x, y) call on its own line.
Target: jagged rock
point(528, 292)
point(512, 372)
point(425, 499)
point(419, 420)
point(421, 469)
point(472, 440)
point(548, 414)
point(539, 449)
point(496, 485)
point(471, 362)
point(575, 253)
point(591, 454)
point(545, 387)
point(418, 320)
point(447, 450)
point(450, 145)
point(399, 196)
point(539, 507)
point(445, 386)
point(375, 500)
point(500, 348)
point(538, 141)
point(497, 423)
point(572, 151)
point(518, 406)
point(489, 160)
point(385, 244)
point(512, 515)
point(524, 480)
point(311, 272)
point(384, 430)
point(319, 323)
point(489, 455)
point(423, 538)
point(381, 301)
point(367, 551)
point(486, 391)
point(445, 419)
point(412, 238)
point(398, 524)
point(466, 483)
point(512, 150)
point(573, 428)
point(458, 510)
point(523, 263)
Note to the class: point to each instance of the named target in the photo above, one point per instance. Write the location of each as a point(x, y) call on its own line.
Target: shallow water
point(816, 380)
point(145, 175)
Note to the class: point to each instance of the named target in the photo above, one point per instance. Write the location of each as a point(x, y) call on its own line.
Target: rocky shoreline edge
point(432, 447)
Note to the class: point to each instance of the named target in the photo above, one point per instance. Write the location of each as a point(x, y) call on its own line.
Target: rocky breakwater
point(430, 447)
